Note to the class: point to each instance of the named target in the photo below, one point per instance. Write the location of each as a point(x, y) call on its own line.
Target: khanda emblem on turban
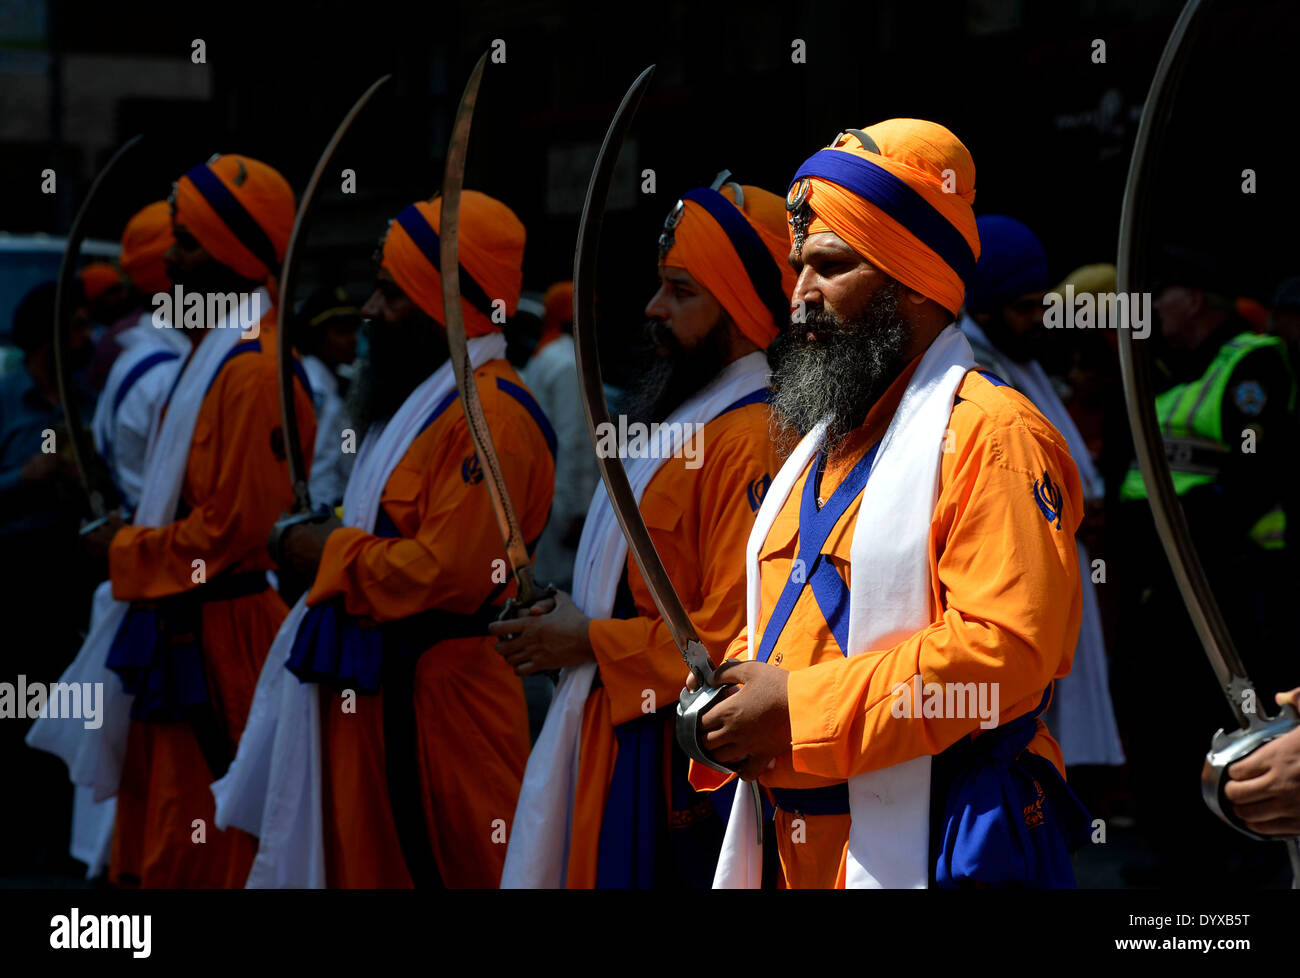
point(667, 236)
point(796, 202)
point(1049, 498)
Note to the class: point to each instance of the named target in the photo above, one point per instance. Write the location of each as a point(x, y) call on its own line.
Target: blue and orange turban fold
point(1012, 264)
point(145, 242)
point(900, 194)
point(737, 252)
point(491, 258)
point(241, 211)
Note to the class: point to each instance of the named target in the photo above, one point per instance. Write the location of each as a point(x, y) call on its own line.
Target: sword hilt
point(523, 601)
point(90, 526)
point(1227, 748)
point(689, 727)
point(275, 542)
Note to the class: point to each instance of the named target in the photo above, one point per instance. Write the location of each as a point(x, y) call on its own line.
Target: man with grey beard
point(913, 588)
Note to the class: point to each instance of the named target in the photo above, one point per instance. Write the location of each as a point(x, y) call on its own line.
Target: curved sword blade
point(1171, 522)
point(449, 260)
point(593, 401)
point(1131, 269)
point(83, 449)
point(612, 473)
point(288, 412)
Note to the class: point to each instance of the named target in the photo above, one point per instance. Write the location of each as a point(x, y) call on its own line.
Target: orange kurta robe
point(236, 486)
point(471, 718)
point(1007, 583)
point(699, 520)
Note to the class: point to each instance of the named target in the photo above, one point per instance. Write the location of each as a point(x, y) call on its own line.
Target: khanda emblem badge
point(758, 490)
point(471, 471)
point(667, 236)
point(796, 202)
point(1049, 498)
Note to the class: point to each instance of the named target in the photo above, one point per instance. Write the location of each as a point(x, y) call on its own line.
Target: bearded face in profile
point(401, 356)
point(834, 369)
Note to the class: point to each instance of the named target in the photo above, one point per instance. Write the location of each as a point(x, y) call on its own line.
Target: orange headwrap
point(145, 241)
point(558, 306)
point(737, 253)
point(98, 277)
point(491, 258)
point(241, 211)
point(901, 197)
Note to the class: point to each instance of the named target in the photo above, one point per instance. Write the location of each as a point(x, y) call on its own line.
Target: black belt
point(226, 586)
point(830, 800)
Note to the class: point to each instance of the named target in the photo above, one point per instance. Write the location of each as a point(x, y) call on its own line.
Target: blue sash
point(158, 653)
point(815, 526)
point(649, 838)
point(1009, 819)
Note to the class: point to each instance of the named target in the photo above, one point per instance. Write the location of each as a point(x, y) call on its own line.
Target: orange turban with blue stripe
point(900, 193)
point(491, 258)
point(735, 246)
point(241, 211)
point(145, 242)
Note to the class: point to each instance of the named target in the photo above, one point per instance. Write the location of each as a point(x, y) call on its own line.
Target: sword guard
point(513, 605)
point(691, 707)
point(275, 543)
point(1226, 749)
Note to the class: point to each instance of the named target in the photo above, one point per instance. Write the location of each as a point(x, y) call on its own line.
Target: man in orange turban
point(146, 355)
point(913, 588)
point(699, 459)
point(183, 643)
point(422, 732)
point(106, 290)
point(145, 241)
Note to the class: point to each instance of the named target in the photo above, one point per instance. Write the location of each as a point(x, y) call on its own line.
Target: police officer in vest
point(1226, 411)
point(1226, 416)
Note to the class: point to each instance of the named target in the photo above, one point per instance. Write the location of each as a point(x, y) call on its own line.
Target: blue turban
point(1012, 263)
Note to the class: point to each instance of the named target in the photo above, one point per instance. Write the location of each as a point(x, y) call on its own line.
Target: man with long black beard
point(623, 815)
point(420, 733)
point(913, 586)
